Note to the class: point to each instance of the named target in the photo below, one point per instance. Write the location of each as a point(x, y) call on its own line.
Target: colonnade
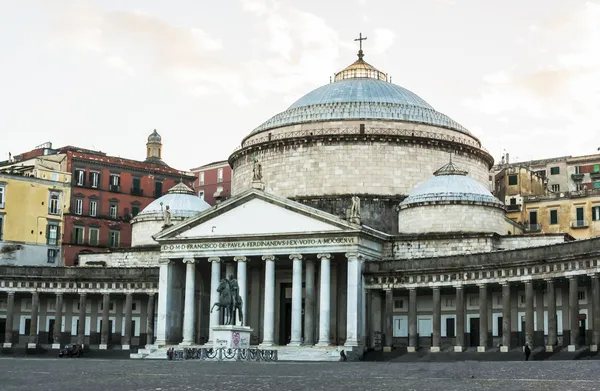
point(58, 318)
point(299, 262)
point(484, 295)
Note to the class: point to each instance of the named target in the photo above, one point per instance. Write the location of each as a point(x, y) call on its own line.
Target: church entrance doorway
point(2, 329)
point(285, 314)
point(474, 332)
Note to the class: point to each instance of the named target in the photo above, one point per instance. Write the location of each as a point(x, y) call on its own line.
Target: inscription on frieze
point(255, 244)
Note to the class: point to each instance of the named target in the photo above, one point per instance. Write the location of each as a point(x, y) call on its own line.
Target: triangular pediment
point(256, 213)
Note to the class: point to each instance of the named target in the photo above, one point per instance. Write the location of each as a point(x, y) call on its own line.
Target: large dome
point(360, 92)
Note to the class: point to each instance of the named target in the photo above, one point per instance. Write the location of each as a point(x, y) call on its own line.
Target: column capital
point(11, 293)
point(295, 256)
point(594, 275)
point(240, 258)
point(214, 259)
point(164, 261)
point(459, 287)
point(59, 294)
point(505, 283)
point(549, 280)
point(326, 256)
point(482, 285)
point(388, 289)
point(268, 257)
point(35, 293)
point(189, 260)
point(571, 277)
point(105, 294)
point(352, 254)
point(435, 288)
point(82, 294)
point(129, 294)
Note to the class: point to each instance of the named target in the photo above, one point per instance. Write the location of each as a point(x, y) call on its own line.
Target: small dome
point(181, 200)
point(154, 137)
point(450, 184)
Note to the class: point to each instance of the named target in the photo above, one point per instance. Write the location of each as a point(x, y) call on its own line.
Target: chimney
point(507, 158)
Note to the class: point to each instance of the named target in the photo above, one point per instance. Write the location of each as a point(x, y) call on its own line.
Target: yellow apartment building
point(33, 198)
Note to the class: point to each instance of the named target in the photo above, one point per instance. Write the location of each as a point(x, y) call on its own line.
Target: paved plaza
point(51, 374)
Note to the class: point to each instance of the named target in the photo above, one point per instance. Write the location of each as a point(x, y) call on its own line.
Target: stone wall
point(142, 231)
point(451, 218)
point(362, 165)
point(425, 248)
point(375, 211)
point(140, 257)
point(28, 254)
point(522, 241)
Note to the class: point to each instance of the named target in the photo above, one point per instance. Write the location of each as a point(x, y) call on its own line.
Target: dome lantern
point(360, 68)
point(154, 148)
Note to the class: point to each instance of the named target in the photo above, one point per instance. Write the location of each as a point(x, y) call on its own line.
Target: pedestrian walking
point(527, 352)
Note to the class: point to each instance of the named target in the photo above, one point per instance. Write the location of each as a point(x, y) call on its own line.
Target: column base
point(351, 344)
point(266, 344)
point(549, 348)
point(481, 349)
point(434, 349)
point(125, 347)
point(103, 346)
point(7, 345)
point(322, 344)
point(55, 346)
point(294, 344)
point(593, 348)
point(459, 349)
point(411, 349)
point(504, 349)
point(572, 348)
point(387, 349)
point(158, 343)
point(149, 347)
point(186, 343)
point(31, 345)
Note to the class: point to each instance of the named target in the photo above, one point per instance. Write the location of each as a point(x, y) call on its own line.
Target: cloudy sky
point(523, 76)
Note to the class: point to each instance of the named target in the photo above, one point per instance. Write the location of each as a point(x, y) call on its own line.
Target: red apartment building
point(107, 192)
point(213, 181)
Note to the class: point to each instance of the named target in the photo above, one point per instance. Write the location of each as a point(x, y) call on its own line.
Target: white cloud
point(119, 63)
point(383, 40)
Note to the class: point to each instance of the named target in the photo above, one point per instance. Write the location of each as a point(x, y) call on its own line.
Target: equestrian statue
point(229, 300)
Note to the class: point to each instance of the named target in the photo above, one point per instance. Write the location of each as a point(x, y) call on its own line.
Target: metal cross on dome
point(360, 39)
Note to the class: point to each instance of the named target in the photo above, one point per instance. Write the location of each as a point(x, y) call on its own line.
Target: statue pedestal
point(231, 337)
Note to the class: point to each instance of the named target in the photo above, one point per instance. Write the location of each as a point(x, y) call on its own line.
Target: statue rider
point(234, 289)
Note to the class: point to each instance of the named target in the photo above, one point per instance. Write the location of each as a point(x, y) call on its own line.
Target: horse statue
point(227, 302)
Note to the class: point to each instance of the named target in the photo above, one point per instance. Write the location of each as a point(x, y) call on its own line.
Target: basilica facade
point(360, 218)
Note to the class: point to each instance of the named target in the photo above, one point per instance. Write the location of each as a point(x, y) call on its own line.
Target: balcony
point(533, 227)
point(114, 188)
point(595, 176)
point(579, 224)
point(138, 192)
point(577, 177)
point(513, 207)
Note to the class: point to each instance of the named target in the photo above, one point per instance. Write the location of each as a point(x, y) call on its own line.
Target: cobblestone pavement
point(49, 374)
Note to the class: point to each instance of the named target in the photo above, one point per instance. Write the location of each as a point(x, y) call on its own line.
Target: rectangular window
point(54, 203)
point(54, 176)
point(79, 177)
point(554, 217)
point(94, 236)
point(513, 180)
point(113, 211)
point(52, 234)
point(554, 170)
point(135, 210)
point(93, 208)
point(158, 189)
point(555, 188)
point(578, 170)
point(94, 179)
point(77, 235)
point(201, 180)
point(115, 238)
point(219, 175)
point(52, 255)
point(596, 213)
point(541, 173)
point(398, 304)
point(136, 188)
point(78, 206)
point(449, 302)
point(201, 194)
point(2, 196)
point(581, 295)
point(115, 182)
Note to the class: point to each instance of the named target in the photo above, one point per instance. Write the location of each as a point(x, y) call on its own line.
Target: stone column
point(105, 329)
point(375, 316)
point(573, 313)
point(189, 301)
point(10, 308)
point(58, 321)
point(215, 278)
point(33, 333)
point(82, 311)
point(506, 322)
point(296, 339)
point(354, 295)
point(150, 320)
point(389, 320)
point(412, 320)
point(325, 300)
point(243, 288)
point(460, 319)
point(529, 313)
point(483, 318)
point(437, 320)
point(309, 303)
point(595, 313)
point(164, 302)
point(552, 324)
point(269, 306)
point(128, 331)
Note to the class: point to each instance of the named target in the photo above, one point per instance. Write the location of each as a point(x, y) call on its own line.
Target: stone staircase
point(284, 353)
